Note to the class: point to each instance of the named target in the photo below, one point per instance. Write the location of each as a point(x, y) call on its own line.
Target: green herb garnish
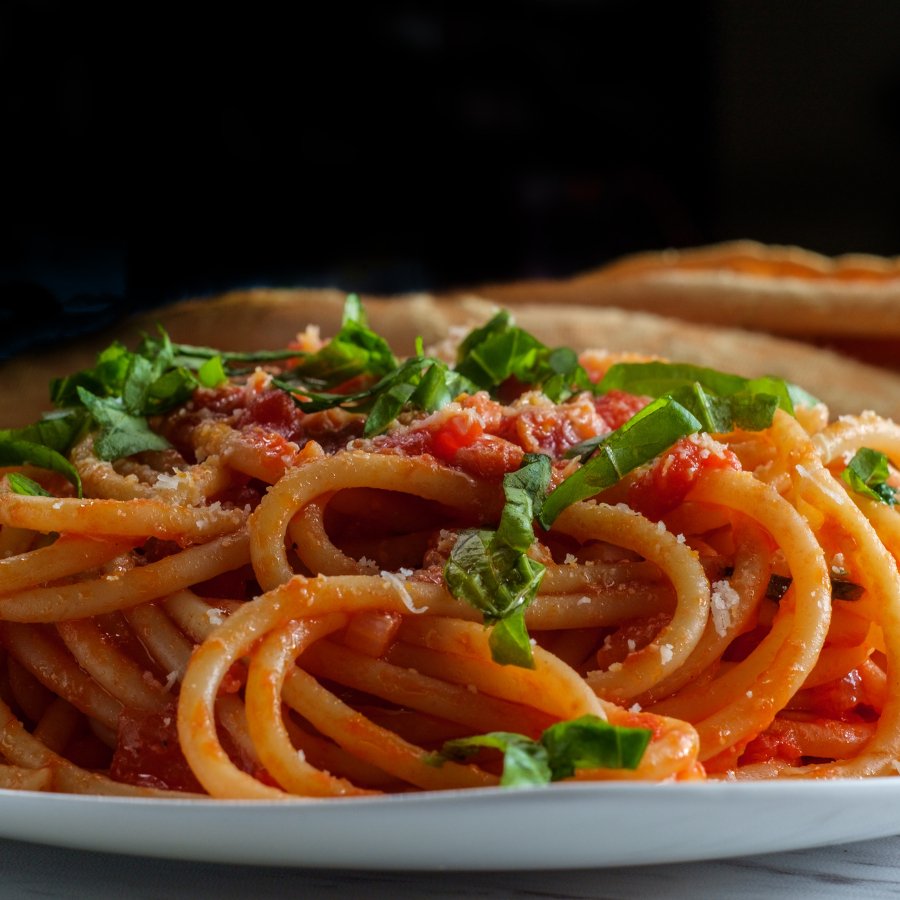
point(122, 390)
point(115, 397)
point(44, 444)
point(867, 473)
point(212, 372)
point(417, 383)
point(642, 438)
point(720, 400)
point(499, 350)
point(492, 569)
point(584, 743)
point(689, 399)
point(22, 484)
point(354, 351)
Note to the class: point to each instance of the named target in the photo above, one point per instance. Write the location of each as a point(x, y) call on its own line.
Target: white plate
point(564, 826)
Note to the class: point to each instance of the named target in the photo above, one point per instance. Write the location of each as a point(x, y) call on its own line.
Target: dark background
point(153, 152)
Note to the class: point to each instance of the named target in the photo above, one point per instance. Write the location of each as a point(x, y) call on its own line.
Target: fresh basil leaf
point(121, 433)
point(587, 742)
point(477, 573)
point(357, 401)
point(499, 582)
point(17, 452)
point(57, 431)
point(776, 387)
point(388, 405)
point(355, 350)
point(22, 484)
point(168, 391)
point(141, 374)
point(44, 443)
point(153, 383)
point(525, 761)
point(719, 415)
point(488, 357)
point(491, 569)
point(499, 350)
point(713, 412)
point(105, 379)
point(510, 642)
point(417, 383)
point(500, 355)
point(438, 387)
point(659, 379)
point(193, 357)
point(212, 372)
point(867, 474)
point(497, 324)
point(524, 492)
point(753, 412)
point(642, 438)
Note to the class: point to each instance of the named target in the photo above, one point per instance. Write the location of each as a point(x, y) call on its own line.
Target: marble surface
point(868, 869)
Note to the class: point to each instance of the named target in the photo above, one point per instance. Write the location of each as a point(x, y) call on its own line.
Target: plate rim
point(118, 824)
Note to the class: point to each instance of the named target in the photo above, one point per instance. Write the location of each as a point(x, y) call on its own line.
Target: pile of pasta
point(251, 617)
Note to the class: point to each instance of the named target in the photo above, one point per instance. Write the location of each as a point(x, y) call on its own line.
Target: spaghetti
point(330, 573)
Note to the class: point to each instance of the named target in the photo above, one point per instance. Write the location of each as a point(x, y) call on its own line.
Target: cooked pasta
point(330, 573)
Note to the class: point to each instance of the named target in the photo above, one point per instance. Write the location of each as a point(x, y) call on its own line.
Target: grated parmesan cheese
point(405, 596)
point(166, 482)
point(724, 601)
point(666, 652)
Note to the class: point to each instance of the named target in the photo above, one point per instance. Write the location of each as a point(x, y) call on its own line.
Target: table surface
point(862, 870)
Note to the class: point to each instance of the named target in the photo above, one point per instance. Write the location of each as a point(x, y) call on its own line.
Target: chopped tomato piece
point(665, 484)
point(617, 407)
point(454, 434)
point(489, 457)
point(273, 410)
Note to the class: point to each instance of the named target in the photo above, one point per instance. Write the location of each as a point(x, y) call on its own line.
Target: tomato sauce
point(664, 485)
point(487, 439)
point(775, 744)
point(148, 753)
